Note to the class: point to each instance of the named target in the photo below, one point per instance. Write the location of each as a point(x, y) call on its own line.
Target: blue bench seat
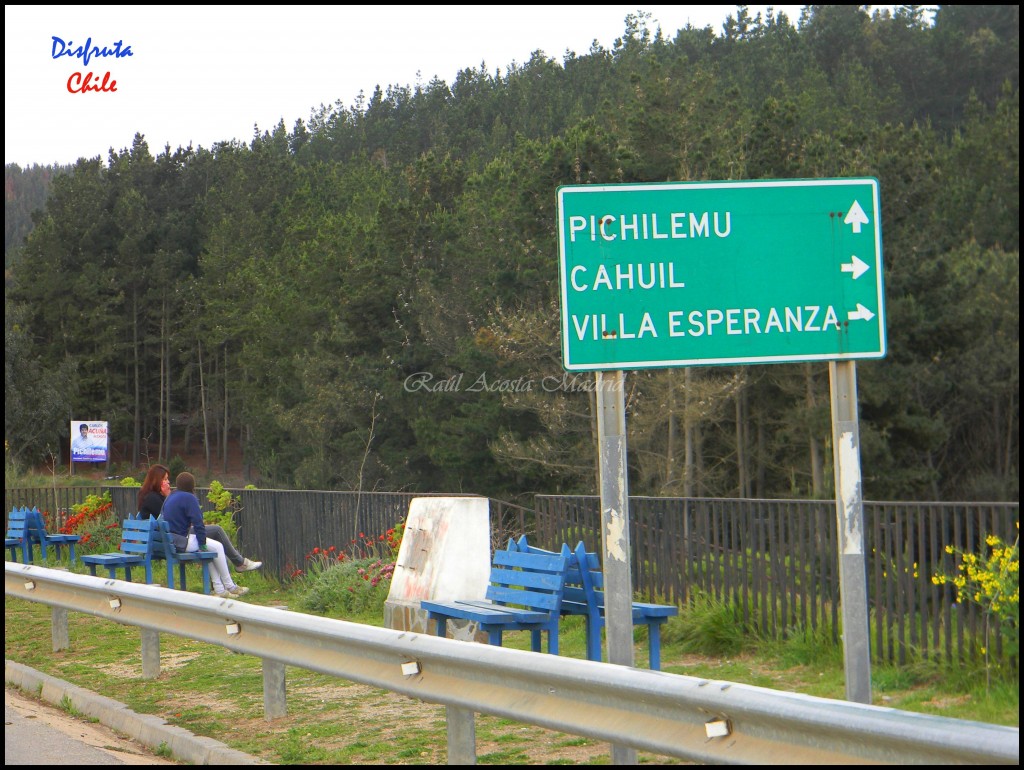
point(165, 550)
point(584, 595)
point(26, 529)
point(38, 534)
point(524, 594)
point(17, 535)
point(136, 550)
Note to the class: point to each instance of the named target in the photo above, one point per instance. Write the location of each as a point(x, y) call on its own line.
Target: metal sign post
point(853, 594)
point(618, 582)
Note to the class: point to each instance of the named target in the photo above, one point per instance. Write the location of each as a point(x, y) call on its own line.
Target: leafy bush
point(176, 466)
point(348, 588)
point(96, 523)
point(352, 582)
point(226, 506)
point(992, 582)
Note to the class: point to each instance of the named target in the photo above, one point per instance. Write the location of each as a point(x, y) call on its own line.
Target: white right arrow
point(856, 217)
point(856, 266)
point(860, 314)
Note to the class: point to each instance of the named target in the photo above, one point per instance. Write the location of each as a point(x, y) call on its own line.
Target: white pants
point(219, 575)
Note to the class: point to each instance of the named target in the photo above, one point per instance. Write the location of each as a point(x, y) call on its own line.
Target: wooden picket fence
point(776, 562)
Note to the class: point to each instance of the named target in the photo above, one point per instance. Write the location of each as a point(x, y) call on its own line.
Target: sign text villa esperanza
point(678, 274)
point(89, 82)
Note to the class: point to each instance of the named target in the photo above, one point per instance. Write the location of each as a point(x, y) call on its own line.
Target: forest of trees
point(280, 293)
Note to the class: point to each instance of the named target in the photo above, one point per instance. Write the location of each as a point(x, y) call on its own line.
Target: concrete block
point(445, 555)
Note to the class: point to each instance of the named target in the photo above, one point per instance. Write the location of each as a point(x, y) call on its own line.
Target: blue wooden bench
point(26, 529)
point(136, 550)
point(584, 595)
point(37, 534)
point(17, 535)
point(525, 594)
point(164, 549)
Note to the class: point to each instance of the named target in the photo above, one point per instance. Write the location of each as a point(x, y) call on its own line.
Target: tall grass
point(707, 626)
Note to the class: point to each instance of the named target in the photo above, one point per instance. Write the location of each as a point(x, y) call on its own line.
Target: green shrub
point(347, 588)
point(176, 466)
point(352, 582)
point(96, 523)
point(991, 581)
point(225, 506)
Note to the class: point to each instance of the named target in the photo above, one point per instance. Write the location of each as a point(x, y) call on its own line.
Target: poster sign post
point(89, 441)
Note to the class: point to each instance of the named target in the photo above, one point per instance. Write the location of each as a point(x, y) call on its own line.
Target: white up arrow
point(856, 217)
point(856, 266)
point(860, 314)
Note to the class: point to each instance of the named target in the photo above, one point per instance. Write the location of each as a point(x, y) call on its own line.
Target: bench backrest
point(17, 523)
point(158, 545)
point(164, 533)
point(584, 580)
point(137, 537)
point(36, 525)
point(530, 580)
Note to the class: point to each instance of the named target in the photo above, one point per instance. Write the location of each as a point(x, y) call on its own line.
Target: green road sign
point(692, 274)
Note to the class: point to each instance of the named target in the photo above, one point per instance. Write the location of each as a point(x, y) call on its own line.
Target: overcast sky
point(204, 74)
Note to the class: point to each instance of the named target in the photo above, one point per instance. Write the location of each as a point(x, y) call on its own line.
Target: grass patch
point(69, 707)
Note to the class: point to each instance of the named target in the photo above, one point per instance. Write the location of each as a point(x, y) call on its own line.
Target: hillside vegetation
point(282, 294)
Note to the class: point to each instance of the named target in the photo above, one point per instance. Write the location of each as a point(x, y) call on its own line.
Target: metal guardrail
point(668, 714)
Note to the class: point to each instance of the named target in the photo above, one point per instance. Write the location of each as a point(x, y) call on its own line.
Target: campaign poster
point(88, 441)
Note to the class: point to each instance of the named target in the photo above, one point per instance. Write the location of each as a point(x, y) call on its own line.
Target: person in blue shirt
point(182, 513)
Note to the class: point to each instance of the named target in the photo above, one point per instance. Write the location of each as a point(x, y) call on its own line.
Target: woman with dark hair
point(157, 487)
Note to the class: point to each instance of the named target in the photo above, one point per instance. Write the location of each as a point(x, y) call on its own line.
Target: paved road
point(36, 733)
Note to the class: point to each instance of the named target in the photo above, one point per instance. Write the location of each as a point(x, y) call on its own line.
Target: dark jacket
point(181, 511)
point(151, 504)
